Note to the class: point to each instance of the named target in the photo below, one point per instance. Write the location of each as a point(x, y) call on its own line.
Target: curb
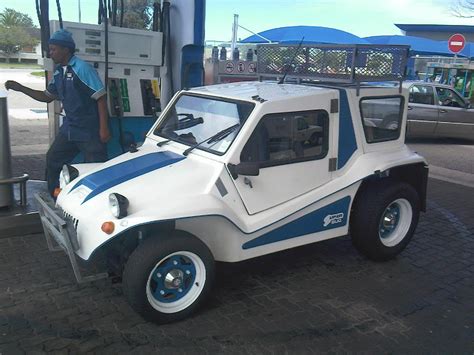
point(452, 176)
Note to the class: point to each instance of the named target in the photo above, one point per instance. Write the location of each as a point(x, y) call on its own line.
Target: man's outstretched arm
point(35, 94)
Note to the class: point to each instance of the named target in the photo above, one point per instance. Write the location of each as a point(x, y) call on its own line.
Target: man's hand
point(104, 134)
point(35, 94)
point(13, 85)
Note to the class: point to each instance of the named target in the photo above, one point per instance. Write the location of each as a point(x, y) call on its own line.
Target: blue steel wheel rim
point(395, 222)
point(389, 221)
point(176, 282)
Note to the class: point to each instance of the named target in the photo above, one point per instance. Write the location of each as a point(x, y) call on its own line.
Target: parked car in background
point(436, 110)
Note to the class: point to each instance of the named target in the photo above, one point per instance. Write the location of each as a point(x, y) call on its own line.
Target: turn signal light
point(56, 192)
point(108, 227)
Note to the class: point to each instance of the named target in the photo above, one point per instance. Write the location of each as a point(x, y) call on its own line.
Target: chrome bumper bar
point(61, 235)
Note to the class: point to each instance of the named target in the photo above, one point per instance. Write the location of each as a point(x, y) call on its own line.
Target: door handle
point(248, 182)
point(410, 108)
point(443, 111)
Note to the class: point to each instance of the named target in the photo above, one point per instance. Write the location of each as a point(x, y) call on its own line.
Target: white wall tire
point(163, 292)
point(167, 278)
point(395, 222)
point(384, 218)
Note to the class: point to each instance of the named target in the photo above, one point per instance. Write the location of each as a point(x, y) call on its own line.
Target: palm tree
point(14, 28)
point(11, 18)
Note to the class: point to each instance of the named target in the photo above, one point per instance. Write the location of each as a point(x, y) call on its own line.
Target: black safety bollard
point(6, 190)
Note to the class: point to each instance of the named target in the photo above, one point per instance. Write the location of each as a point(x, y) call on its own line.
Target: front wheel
point(167, 279)
point(384, 218)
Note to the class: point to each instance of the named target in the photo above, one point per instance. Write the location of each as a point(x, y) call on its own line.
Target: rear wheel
point(384, 218)
point(167, 279)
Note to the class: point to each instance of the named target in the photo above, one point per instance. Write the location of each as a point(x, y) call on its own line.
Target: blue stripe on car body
point(114, 175)
point(347, 140)
point(331, 216)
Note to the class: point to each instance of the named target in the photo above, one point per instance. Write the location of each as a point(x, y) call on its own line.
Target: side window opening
point(447, 97)
point(421, 95)
point(284, 138)
point(381, 118)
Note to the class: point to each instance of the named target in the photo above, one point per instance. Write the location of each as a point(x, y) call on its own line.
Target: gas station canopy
point(319, 35)
point(419, 45)
point(311, 34)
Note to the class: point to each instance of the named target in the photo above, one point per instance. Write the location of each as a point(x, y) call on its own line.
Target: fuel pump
point(129, 71)
point(141, 69)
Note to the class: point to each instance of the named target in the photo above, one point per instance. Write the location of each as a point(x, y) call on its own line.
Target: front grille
point(70, 218)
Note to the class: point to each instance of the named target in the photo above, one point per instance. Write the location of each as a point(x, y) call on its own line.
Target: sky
point(360, 17)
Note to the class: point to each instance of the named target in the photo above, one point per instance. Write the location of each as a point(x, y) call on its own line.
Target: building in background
point(437, 32)
point(28, 54)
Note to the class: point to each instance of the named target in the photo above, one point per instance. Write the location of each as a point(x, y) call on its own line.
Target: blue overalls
point(78, 89)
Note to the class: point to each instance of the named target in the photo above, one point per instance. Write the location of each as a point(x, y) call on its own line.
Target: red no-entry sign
point(456, 43)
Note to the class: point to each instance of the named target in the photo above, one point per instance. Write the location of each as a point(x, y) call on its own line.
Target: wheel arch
point(118, 249)
point(415, 175)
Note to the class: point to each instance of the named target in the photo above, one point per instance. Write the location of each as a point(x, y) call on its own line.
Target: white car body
point(287, 205)
point(235, 171)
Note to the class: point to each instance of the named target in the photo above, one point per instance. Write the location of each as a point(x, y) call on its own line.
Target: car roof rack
point(341, 64)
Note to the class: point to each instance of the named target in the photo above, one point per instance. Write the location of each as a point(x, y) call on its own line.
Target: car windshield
point(195, 119)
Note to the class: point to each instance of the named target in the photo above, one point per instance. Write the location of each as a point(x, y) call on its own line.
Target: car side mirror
point(245, 168)
point(468, 105)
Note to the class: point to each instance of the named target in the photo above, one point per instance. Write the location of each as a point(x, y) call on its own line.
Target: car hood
point(160, 184)
point(150, 173)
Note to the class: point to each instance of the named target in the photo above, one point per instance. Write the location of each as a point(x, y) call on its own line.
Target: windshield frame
point(205, 96)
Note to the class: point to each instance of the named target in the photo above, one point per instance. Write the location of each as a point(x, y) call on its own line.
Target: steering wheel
point(447, 102)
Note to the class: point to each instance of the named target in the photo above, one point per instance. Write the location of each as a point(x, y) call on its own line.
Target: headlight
point(118, 205)
point(68, 174)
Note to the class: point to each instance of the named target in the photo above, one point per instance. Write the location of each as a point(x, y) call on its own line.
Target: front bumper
point(60, 234)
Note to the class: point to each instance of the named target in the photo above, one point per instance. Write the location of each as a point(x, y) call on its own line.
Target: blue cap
point(63, 38)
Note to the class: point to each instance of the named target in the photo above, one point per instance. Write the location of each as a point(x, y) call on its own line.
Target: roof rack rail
point(348, 64)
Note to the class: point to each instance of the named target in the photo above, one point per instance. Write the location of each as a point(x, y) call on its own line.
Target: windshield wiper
point(162, 143)
point(215, 138)
point(168, 138)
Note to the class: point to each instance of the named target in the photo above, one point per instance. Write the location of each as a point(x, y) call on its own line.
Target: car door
point(292, 151)
point(456, 120)
point(422, 116)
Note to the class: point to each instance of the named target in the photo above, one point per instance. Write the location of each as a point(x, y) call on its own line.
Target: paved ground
point(321, 298)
